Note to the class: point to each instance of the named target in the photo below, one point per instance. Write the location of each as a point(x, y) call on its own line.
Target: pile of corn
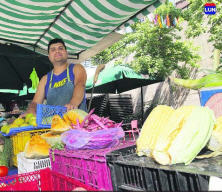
point(173, 136)
point(215, 143)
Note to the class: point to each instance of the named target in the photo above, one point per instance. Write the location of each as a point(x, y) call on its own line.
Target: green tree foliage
point(199, 23)
point(157, 51)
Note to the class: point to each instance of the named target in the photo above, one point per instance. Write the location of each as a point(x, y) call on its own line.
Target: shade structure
point(81, 23)
point(19, 93)
point(9, 91)
point(16, 64)
point(118, 79)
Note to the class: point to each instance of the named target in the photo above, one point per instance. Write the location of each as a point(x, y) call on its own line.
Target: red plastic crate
point(42, 180)
point(86, 166)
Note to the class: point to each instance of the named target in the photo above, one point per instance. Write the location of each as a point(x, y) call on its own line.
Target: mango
point(24, 125)
point(8, 130)
point(32, 121)
point(18, 122)
point(28, 116)
point(13, 125)
point(4, 128)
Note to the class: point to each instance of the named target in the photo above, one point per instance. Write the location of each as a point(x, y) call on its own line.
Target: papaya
point(71, 116)
point(36, 148)
point(59, 125)
point(51, 138)
point(19, 121)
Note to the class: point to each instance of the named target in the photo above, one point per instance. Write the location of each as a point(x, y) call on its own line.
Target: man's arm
point(79, 89)
point(38, 98)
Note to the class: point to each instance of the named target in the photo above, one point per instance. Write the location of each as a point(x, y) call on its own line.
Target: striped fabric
point(81, 23)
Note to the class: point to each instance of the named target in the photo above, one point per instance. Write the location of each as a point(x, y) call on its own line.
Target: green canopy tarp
point(117, 79)
point(81, 23)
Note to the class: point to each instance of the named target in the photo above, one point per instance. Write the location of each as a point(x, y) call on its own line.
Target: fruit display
point(78, 121)
point(175, 136)
point(28, 120)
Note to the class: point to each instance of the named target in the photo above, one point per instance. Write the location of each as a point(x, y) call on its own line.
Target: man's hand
point(22, 115)
point(27, 112)
point(71, 106)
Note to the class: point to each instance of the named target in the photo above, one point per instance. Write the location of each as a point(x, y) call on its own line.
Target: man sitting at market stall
point(64, 85)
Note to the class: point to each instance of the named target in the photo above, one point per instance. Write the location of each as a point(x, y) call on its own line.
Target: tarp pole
point(141, 92)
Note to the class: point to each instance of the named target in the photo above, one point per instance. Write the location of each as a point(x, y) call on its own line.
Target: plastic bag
point(80, 139)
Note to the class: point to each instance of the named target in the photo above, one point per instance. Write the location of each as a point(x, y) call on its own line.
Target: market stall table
point(131, 172)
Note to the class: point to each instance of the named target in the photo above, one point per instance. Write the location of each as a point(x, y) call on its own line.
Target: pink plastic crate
point(86, 166)
point(42, 180)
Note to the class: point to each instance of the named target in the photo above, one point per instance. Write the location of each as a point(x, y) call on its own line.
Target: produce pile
point(75, 130)
point(93, 122)
point(28, 120)
point(93, 132)
point(172, 136)
point(215, 143)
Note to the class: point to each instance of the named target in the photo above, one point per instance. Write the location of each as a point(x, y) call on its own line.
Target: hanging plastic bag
point(80, 139)
point(34, 78)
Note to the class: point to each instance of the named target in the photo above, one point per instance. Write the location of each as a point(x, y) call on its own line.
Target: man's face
point(58, 53)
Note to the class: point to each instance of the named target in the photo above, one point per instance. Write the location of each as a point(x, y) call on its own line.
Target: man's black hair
point(57, 40)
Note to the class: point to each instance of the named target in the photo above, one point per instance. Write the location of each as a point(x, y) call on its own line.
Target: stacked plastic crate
point(87, 166)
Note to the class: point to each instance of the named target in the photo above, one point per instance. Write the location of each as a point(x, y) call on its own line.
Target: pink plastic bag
point(80, 139)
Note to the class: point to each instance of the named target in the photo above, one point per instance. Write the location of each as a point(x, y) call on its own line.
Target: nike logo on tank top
point(59, 88)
